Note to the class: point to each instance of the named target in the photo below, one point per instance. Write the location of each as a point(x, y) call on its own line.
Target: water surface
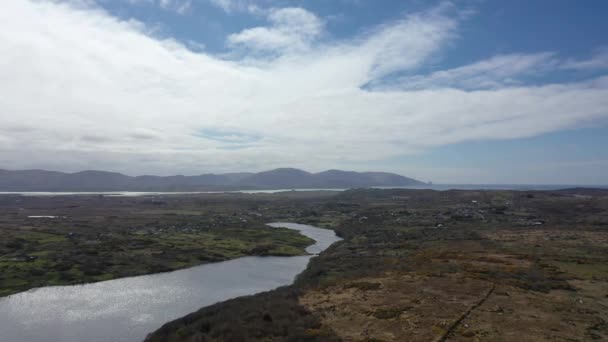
point(439, 187)
point(128, 309)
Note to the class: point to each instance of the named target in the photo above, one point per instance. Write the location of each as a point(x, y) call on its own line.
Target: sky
point(471, 91)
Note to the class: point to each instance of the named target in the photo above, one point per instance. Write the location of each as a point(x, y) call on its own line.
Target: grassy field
point(94, 238)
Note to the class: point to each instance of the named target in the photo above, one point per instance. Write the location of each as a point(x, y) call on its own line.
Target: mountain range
point(282, 178)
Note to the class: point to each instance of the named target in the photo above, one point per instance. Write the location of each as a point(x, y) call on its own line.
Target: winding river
point(128, 309)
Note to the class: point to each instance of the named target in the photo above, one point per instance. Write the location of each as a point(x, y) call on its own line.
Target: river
point(128, 309)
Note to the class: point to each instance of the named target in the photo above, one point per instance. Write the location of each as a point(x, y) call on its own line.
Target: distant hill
point(283, 178)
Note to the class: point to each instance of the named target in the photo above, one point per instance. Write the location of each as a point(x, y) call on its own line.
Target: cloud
point(290, 28)
point(599, 61)
point(226, 5)
point(178, 6)
point(226, 136)
point(495, 72)
point(407, 43)
point(144, 134)
point(69, 72)
point(94, 139)
point(231, 6)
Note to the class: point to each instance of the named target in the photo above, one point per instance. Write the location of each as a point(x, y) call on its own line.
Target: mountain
point(283, 178)
point(279, 178)
point(351, 179)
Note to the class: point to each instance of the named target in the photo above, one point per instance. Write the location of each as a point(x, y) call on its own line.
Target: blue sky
point(493, 27)
point(449, 91)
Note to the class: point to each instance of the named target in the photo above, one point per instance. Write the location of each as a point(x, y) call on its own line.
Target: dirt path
point(456, 323)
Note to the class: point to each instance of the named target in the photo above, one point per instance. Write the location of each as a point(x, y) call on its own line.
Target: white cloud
point(226, 5)
point(230, 6)
point(178, 6)
point(495, 72)
point(599, 61)
point(408, 43)
point(290, 29)
point(84, 90)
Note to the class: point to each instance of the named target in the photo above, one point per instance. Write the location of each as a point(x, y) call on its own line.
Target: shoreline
point(133, 306)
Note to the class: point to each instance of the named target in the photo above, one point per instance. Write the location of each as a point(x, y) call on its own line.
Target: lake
point(439, 187)
point(128, 309)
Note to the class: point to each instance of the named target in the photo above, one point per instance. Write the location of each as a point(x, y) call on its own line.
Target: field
point(95, 238)
point(415, 265)
point(421, 265)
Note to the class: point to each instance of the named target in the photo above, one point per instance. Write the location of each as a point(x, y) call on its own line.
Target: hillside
point(289, 178)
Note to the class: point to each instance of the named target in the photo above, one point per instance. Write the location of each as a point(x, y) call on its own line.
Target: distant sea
point(439, 187)
point(523, 187)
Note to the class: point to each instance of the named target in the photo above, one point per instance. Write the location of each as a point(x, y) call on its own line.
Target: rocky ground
point(420, 265)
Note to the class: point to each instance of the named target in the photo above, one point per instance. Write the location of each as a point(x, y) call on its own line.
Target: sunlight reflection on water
point(127, 309)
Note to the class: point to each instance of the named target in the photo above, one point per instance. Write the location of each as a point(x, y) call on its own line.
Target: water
point(150, 193)
point(128, 309)
point(439, 187)
point(520, 187)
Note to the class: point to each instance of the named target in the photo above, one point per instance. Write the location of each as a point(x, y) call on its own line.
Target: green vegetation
point(95, 238)
point(414, 264)
point(47, 259)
